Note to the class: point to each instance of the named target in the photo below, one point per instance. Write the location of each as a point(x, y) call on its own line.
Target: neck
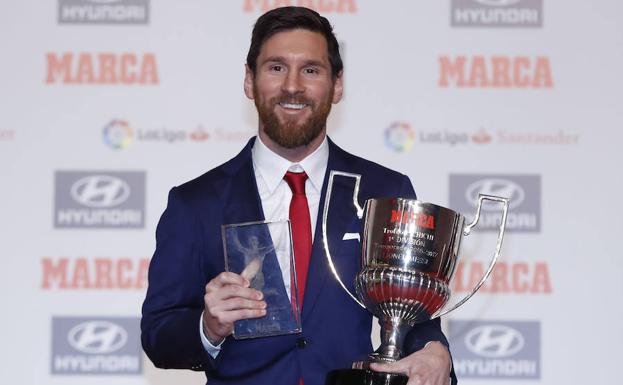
point(292, 154)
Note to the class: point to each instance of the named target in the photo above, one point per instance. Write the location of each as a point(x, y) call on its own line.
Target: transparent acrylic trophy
point(262, 252)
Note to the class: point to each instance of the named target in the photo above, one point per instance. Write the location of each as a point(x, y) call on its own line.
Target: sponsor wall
point(108, 104)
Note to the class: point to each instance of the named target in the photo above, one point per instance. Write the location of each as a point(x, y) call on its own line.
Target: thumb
point(389, 367)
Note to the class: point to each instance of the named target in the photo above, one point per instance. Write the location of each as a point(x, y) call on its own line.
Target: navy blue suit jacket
point(189, 253)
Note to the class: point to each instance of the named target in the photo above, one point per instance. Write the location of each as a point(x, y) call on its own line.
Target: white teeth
point(292, 106)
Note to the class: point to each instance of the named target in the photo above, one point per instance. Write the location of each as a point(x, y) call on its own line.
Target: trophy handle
point(325, 213)
point(467, 230)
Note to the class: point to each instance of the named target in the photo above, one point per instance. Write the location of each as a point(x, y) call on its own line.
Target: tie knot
point(296, 181)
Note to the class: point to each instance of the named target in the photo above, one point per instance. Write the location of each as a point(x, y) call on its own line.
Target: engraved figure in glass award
point(262, 253)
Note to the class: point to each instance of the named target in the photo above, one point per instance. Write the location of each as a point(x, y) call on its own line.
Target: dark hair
point(289, 18)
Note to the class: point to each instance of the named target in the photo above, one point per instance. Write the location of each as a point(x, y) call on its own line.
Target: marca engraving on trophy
point(408, 238)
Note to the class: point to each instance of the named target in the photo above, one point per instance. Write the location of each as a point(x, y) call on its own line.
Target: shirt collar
point(272, 167)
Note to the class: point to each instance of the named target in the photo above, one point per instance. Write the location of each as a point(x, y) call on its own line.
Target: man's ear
point(338, 88)
point(248, 82)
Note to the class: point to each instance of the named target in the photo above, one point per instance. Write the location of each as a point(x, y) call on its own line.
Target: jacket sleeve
point(172, 309)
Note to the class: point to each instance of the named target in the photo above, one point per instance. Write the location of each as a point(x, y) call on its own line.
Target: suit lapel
point(242, 201)
point(341, 214)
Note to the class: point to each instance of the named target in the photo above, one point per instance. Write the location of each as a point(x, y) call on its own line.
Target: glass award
point(262, 252)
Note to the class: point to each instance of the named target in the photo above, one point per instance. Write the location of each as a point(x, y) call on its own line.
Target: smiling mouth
point(293, 106)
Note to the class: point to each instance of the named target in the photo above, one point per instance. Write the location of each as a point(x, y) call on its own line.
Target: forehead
point(295, 44)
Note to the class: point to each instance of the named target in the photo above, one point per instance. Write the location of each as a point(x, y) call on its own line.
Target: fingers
point(227, 278)
point(429, 366)
point(233, 291)
point(228, 298)
point(390, 367)
point(229, 285)
point(231, 316)
point(238, 303)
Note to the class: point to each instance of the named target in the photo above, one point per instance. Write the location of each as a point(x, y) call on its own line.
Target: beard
point(289, 133)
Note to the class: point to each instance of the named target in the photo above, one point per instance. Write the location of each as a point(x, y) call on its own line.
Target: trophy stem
point(394, 331)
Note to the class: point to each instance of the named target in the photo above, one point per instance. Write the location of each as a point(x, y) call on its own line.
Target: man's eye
point(276, 68)
point(311, 71)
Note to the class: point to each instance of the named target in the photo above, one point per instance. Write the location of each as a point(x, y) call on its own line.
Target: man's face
point(293, 88)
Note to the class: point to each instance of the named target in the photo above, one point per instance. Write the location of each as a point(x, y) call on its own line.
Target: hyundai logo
point(498, 3)
point(494, 341)
point(100, 191)
point(495, 186)
point(97, 337)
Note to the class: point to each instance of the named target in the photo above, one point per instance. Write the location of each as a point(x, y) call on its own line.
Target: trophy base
point(364, 377)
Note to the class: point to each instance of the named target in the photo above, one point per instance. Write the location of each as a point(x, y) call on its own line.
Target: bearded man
point(293, 74)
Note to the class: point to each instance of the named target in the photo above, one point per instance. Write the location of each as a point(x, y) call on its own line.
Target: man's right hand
point(229, 298)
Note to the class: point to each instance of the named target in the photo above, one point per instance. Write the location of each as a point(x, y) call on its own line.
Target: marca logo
point(524, 192)
point(506, 278)
point(97, 337)
point(496, 349)
point(83, 345)
point(94, 273)
point(103, 11)
point(6, 135)
point(99, 199)
point(495, 72)
point(102, 68)
point(410, 217)
point(497, 13)
point(321, 6)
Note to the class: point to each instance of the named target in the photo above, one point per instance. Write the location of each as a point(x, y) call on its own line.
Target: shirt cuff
point(207, 345)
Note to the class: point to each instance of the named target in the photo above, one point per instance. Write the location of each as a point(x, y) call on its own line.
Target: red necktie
point(301, 228)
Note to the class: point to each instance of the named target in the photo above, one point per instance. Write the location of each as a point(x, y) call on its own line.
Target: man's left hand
point(429, 366)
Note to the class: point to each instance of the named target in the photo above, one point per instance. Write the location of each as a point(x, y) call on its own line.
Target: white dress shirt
point(275, 195)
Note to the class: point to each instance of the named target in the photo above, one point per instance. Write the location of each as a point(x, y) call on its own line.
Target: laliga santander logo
point(118, 134)
point(399, 136)
point(100, 191)
point(495, 186)
point(494, 341)
point(482, 137)
point(97, 337)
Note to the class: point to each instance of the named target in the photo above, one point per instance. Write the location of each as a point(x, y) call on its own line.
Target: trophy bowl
point(409, 254)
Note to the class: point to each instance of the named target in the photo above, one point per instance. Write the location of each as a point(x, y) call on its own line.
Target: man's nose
point(293, 83)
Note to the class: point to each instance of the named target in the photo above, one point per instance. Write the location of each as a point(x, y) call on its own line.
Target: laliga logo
point(97, 337)
point(100, 191)
point(399, 136)
point(482, 137)
point(118, 134)
point(495, 186)
point(494, 341)
point(497, 3)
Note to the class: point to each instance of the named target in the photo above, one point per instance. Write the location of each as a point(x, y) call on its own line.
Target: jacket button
point(300, 343)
